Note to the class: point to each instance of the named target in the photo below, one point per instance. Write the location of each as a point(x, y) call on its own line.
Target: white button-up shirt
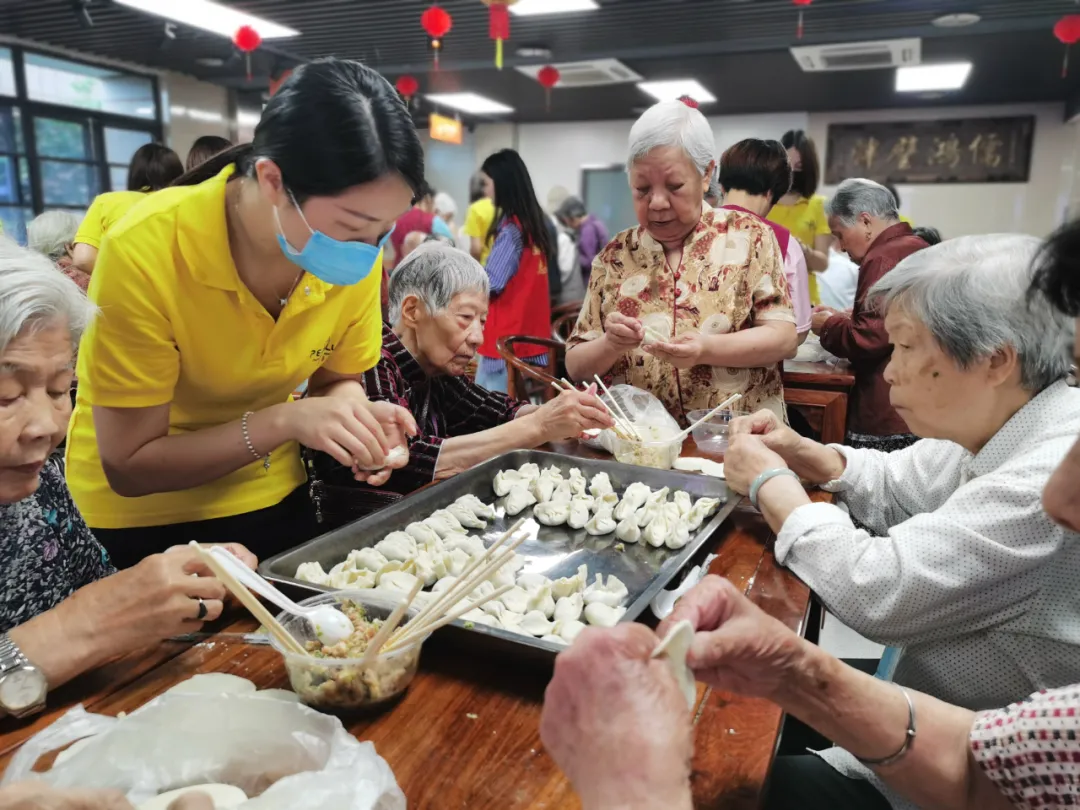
point(957, 563)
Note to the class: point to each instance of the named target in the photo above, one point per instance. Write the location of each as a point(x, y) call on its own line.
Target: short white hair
point(972, 294)
point(34, 294)
point(51, 233)
point(861, 196)
point(672, 123)
point(435, 273)
point(444, 204)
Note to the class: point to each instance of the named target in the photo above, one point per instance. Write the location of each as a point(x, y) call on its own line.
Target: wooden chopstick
point(622, 413)
point(449, 617)
point(248, 600)
point(686, 432)
point(390, 625)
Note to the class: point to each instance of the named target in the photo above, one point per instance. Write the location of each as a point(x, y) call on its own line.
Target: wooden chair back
point(524, 380)
point(563, 326)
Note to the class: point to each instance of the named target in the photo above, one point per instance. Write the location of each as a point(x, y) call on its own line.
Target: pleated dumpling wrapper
point(674, 649)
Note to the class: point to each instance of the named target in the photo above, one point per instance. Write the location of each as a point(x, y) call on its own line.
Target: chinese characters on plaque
point(974, 150)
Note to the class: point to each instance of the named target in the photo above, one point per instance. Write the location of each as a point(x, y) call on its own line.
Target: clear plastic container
point(658, 454)
point(348, 684)
point(712, 436)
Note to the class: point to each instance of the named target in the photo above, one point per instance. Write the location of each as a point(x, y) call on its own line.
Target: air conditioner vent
point(859, 55)
point(594, 73)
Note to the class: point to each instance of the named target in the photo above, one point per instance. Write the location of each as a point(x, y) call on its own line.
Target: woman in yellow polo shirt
point(152, 168)
point(479, 217)
point(802, 210)
point(218, 299)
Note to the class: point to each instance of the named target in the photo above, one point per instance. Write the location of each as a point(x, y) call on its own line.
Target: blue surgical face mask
point(339, 263)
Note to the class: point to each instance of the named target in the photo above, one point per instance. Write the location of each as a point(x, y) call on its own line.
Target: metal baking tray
point(555, 551)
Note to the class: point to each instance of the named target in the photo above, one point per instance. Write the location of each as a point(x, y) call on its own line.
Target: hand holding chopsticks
point(622, 430)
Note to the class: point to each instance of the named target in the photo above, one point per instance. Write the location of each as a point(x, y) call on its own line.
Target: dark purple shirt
point(592, 238)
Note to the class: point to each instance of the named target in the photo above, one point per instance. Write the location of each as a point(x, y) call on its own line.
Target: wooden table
point(819, 391)
point(466, 733)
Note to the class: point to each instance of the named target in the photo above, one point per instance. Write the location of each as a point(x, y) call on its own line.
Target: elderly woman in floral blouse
point(709, 282)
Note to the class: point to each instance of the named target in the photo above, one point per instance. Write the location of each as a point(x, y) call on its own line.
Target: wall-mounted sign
point(972, 150)
point(447, 130)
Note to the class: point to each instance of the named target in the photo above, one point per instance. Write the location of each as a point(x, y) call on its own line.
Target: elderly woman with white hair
point(691, 305)
point(943, 548)
point(438, 307)
point(52, 234)
point(63, 608)
point(864, 218)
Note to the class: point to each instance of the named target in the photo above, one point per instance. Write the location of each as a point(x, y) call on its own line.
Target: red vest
point(522, 308)
point(412, 220)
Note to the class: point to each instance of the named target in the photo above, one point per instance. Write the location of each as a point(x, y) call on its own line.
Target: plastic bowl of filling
point(712, 436)
point(336, 679)
point(660, 454)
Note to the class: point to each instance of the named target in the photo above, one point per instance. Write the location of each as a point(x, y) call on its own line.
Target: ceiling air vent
point(594, 73)
point(887, 53)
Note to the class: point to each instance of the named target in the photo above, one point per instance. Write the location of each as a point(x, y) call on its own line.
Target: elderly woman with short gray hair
point(438, 307)
point(944, 548)
point(52, 234)
point(865, 221)
point(691, 305)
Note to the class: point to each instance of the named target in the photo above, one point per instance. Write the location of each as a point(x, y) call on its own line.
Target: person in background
point(802, 210)
point(480, 216)
point(692, 304)
point(896, 196)
point(754, 174)
point(421, 219)
point(592, 236)
point(446, 210)
point(862, 216)
point(518, 267)
point(572, 285)
point(52, 234)
point(255, 272)
point(932, 236)
point(204, 148)
point(438, 308)
point(152, 168)
point(412, 241)
point(839, 283)
point(609, 696)
point(714, 195)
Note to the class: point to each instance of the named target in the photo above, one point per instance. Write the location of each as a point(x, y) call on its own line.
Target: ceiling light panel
point(534, 8)
point(470, 103)
point(209, 16)
point(923, 78)
point(676, 88)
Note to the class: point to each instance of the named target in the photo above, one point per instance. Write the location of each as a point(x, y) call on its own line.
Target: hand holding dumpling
point(746, 458)
point(570, 414)
point(608, 697)
point(622, 331)
point(777, 436)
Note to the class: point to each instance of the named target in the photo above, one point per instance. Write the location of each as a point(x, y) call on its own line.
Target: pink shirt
point(798, 279)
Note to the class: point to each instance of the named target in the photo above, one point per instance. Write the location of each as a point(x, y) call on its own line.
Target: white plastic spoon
point(331, 625)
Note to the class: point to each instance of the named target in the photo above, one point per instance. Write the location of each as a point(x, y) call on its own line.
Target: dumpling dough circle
point(674, 649)
point(224, 797)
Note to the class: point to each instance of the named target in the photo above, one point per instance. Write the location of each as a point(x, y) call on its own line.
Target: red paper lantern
point(548, 77)
point(407, 86)
point(1067, 30)
point(499, 25)
point(801, 3)
point(247, 39)
point(437, 22)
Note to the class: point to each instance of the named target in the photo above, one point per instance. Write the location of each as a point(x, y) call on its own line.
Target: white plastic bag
point(286, 755)
point(645, 412)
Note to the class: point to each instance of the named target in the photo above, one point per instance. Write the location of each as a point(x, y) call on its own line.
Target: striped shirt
point(444, 407)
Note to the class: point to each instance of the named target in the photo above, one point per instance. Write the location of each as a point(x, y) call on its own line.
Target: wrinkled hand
point(397, 425)
point(746, 458)
point(819, 318)
point(571, 413)
point(240, 552)
point(623, 332)
point(343, 427)
point(616, 722)
point(684, 351)
point(737, 647)
point(154, 600)
point(39, 796)
point(777, 436)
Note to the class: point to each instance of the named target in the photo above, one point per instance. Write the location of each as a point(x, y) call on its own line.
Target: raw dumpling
point(660, 496)
point(477, 616)
point(397, 546)
point(342, 577)
point(702, 508)
point(444, 584)
point(506, 572)
point(554, 640)
point(519, 500)
point(569, 608)
point(636, 494)
point(397, 581)
point(577, 482)
point(536, 624)
point(465, 516)
point(478, 507)
point(601, 523)
point(312, 572)
point(600, 615)
point(682, 500)
point(456, 562)
point(565, 586)
point(529, 471)
point(656, 533)
point(505, 480)
point(470, 544)
point(569, 630)
point(493, 607)
point(679, 536)
point(628, 530)
point(367, 558)
point(541, 600)
point(578, 515)
point(516, 599)
point(562, 494)
point(442, 526)
point(542, 488)
point(600, 485)
point(608, 501)
point(422, 533)
point(532, 581)
point(674, 650)
point(511, 621)
point(430, 567)
point(551, 513)
point(645, 515)
point(552, 472)
point(611, 593)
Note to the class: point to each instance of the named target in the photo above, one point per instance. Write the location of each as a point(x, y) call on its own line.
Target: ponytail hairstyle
point(153, 167)
point(333, 124)
point(515, 198)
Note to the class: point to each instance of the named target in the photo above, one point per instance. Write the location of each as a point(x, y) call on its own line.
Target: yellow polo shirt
point(104, 212)
point(478, 222)
point(806, 220)
point(177, 326)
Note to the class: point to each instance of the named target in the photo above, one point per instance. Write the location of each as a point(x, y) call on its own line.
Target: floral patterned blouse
point(48, 553)
point(731, 278)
